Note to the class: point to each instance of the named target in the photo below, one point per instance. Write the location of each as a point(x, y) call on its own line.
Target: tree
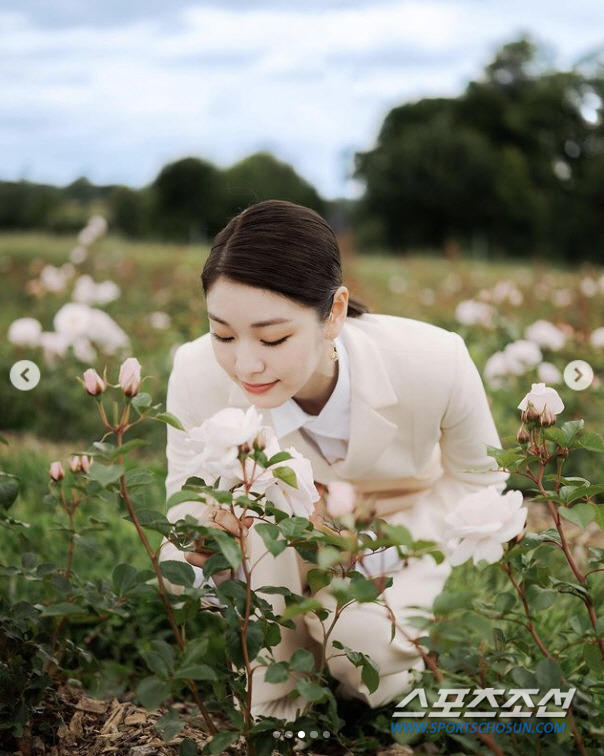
point(261, 176)
point(187, 200)
point(511, 159)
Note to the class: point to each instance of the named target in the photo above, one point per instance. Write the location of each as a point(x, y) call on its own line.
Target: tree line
point(514, 165)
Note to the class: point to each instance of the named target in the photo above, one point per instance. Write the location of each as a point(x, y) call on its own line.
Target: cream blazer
point(420, 420)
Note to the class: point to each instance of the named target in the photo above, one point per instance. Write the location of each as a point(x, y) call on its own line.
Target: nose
point(248, 362)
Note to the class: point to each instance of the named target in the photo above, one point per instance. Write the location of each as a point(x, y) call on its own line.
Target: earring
point(334, 352)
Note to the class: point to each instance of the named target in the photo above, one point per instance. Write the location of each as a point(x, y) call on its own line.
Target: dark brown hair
point(283, 247)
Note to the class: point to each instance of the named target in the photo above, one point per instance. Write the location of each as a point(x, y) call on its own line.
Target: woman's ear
point(339, 309)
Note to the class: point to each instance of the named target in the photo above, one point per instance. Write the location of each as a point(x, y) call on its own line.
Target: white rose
point(597, 338)
point(541, 397)
point(482, 522)
point(470, 312)
point(549, 373)
point(545, 334)
point(25, 332)
point(215, 444)
point(525, 353)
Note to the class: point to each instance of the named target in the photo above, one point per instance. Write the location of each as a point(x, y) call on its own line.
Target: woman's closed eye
point(227, 339)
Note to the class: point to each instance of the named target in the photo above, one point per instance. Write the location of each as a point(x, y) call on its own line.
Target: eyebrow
point(259, 324)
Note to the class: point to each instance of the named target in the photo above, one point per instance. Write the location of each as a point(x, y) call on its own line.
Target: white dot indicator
point(301, 734)
point(289, 734)
point(276, 734)
point(326, 734)
point(313, 734)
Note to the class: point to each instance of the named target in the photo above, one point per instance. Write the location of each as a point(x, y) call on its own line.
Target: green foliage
point(513, 161)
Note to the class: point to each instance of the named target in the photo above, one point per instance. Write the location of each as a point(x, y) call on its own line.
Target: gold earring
point(334, 352)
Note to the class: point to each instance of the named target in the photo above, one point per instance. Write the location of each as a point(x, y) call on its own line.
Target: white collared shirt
point(330, 429)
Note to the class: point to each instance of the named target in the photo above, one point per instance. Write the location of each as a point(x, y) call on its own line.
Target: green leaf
point(179, 496)
point(540, 598)
point(105, 475)
point(310, 690)
point(287, 475)
point(229, 548)
point(301, 607)
point(294, 527)
point(398, 535)
point(3, 440)
point(178, 573)
point(124, 578)
point(570, 430)
point(221, 741)
point(592, 441)
point(142, 401)
point(152, 520)
point(195, 650)
point(278, 457)
point(9, 490)
point(581, 514)
point(169, 419)
point(152, 692)
point(548, 674)
point(277, 673)
point(270, 535)
point(64, 609)
point(370, 674)
point(571, 493)
point(135, 443)
point(504, 602)
point(302, 660)
point(524, 678)
point(318, 579)
point(593, 658)
point(557, 435)
point(187, 747)
point(160, 658)
point(363, 590)
point(169, 725)
point(195, 672)
point(599, 516)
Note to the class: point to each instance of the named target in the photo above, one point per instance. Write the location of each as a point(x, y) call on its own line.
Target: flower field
point(532, 620)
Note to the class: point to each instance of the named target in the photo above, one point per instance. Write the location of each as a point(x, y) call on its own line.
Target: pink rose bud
point(130, 376)
point(79, 463)
point(56, 471)
point(340, 498)
point(93, 383)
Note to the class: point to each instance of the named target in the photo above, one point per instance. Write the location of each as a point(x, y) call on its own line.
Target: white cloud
point(311, 82)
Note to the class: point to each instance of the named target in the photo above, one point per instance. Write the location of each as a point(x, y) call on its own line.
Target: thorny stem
point(530, 626)
point(161, 585)
point(581, 577)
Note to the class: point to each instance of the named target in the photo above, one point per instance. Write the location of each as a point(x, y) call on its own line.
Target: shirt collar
point(334, 419)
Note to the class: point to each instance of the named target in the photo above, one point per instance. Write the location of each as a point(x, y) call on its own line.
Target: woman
point(394, 406)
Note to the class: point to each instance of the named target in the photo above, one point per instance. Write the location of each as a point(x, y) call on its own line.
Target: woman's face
point(271, 346)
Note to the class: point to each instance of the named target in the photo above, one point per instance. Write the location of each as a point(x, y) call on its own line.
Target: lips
point(258, 388)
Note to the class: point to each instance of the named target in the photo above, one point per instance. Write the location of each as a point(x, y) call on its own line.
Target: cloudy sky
point(115, 89)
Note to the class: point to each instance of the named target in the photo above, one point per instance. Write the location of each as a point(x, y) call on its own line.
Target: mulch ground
point(93, 727)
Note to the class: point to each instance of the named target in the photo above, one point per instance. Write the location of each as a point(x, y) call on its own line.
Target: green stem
point(162, 587)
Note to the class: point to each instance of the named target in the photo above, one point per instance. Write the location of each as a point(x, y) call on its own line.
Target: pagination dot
point(313, 734)
point(276, 734)
point(289, 734)
point(301, 734)
point(326, 733)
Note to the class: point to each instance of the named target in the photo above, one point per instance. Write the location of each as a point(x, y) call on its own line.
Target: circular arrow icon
point(578, 375)
point(25, 375)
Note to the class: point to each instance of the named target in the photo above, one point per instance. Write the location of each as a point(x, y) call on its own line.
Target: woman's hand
point(223, 520)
